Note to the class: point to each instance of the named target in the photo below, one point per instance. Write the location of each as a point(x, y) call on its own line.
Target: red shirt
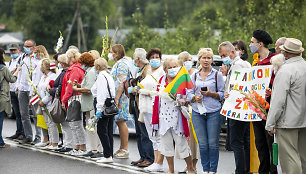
point(74, 72)
point(266, 61)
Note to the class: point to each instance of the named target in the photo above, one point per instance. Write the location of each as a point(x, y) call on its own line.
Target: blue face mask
point(173, 71)
point(227, 60)
point(135, 64)
point(253, 48)
point(188, 65)
point(35, 56)
point(84, 67)
point(155, 63)
point(96, 72)
point(14, 56)
point(27, 50)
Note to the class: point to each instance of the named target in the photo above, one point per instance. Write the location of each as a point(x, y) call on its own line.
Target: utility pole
point(80, 30)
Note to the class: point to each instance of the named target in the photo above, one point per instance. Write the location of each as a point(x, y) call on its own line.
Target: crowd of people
point(86, 85)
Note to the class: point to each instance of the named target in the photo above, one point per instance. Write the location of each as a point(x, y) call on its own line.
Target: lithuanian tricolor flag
point(180, 82)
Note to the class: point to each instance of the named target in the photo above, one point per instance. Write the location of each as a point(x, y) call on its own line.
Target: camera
point(204, 88)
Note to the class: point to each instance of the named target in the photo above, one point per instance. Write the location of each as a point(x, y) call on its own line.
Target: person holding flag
point(167, 116)
point(205, 98)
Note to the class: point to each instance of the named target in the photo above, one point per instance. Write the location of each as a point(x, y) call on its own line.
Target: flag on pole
point(180, 82)
point(34, 99)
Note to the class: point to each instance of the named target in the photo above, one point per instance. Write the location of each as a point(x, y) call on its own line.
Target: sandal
point(122, 154)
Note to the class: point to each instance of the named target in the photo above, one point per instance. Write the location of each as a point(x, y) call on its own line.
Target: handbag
point(74, 110)
point(110, 108)
point(57, 113)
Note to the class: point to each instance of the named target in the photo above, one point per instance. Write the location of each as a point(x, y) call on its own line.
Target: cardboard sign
point(256, 78)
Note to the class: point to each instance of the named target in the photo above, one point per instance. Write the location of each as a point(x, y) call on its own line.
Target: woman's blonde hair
point(205, 52)
point(95, 54)
point(73, 55)
point(45, 64)
point(167, 62)
point(182, 57)
point(100, 64)
point(41, 52)
point(62, 58)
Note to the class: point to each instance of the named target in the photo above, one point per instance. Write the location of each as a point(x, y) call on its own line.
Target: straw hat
point(292, 45)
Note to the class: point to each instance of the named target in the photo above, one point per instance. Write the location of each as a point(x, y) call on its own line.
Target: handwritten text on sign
point(256, 78)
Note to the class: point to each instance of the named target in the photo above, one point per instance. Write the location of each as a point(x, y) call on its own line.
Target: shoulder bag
point(110, 108)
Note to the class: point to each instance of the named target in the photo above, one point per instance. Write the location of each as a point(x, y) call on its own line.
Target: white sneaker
point(105, 160)
point(155, 168)
point(205, 172)
point(41, 144)
point(79, 153)
point(52, 147)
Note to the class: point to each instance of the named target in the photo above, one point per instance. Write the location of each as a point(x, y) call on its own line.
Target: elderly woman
point(144, 144)
point(120, 73)
point(52, 132)
point(170, 124)
point(105, 124)
point(154, 57)
point(208, 92)
point(87, 104)
point(57, 86)
point(74, 73)
point(185, 59)
point(6, 77)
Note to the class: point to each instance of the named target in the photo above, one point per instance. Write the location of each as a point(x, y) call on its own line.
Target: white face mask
point(110, 56)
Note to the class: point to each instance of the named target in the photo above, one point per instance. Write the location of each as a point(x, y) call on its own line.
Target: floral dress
point(120, 73)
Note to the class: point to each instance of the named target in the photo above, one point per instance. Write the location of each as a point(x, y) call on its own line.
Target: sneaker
point(5, 146)
point(155, 168)
point(105, 160)
point(36, 140)
point(41, 144)
point(80, 153)
point(65, 149)
point(25, 141)
point(52, 147)
point(12, 137)
point(97, 156)
point(19, 138)
point(88, 154)
point(71, 152)
point(183, 171)
point(205, 172)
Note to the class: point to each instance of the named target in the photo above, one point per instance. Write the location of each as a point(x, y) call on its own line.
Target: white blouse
point(42, 88)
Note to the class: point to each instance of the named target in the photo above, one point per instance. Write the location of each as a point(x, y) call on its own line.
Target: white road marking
point(114, 165)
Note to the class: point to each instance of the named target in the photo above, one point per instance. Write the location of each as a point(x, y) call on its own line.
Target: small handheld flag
point(34, 100)
point(181, 81)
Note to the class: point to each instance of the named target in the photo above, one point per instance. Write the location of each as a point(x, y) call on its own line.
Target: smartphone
point(204, 88)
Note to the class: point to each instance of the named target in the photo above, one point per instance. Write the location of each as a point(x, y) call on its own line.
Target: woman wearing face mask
point(170, 124)
point(146, 106)
point(185, 59)
point(144, 144)
point(74, 72)
point(209, 91)
point(52, 132)
point(241, 49)
point(121, 72)
point(87, 104)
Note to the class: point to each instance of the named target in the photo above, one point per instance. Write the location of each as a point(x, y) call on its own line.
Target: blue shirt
point(211, 104)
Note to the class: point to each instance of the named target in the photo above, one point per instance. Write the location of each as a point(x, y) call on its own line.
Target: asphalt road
point(29, 160)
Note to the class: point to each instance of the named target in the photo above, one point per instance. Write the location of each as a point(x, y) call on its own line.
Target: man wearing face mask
point(240, 130)
point(28, 63)
point(13, 65)
point(259, 44)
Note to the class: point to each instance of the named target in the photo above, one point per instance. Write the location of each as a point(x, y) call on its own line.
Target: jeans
point(1, 124)
point(207, 128)
point(105, 133)
point(15, 105)
point(240, 144)
point(264, 143)
point(24, 99)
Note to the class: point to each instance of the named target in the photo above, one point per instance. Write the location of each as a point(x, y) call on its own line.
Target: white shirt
point(13, 65)
point(37, 74)
point(100, 88)
point(42, 88)
point(28, 63)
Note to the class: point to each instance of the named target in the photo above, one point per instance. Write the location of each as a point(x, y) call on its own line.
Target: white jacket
point(42, 88)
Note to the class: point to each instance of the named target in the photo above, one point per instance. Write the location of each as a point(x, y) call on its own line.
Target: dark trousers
point(264, 143)
point(240, 144)
point(105, 133)
point(15, 105)
point(144, 144)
